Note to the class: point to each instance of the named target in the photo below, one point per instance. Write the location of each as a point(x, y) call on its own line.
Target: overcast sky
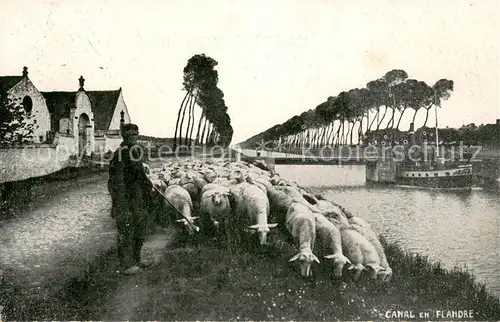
point(276, 58)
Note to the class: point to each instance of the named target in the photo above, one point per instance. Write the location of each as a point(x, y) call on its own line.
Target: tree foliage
point(214, 124)
point(16, 125)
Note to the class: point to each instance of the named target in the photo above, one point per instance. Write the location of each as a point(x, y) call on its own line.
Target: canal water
point(455, 228)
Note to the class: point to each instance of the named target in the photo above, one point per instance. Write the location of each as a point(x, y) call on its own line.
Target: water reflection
point(455, 227)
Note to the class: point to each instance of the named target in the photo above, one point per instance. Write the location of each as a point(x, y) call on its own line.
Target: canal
point(456, 228)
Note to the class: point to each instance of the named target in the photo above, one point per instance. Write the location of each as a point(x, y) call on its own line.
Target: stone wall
point(35, 160)
point(112, 143)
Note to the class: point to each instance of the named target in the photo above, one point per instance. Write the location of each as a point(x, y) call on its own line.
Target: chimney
point(25, 71)
point(81, 80)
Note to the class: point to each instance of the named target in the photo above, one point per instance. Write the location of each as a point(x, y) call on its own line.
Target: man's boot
point(132, 270)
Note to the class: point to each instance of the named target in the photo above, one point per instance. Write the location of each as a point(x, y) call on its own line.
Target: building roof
point(7, 82)
point(103, 106)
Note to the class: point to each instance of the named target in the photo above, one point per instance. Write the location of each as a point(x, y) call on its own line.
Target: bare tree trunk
point(314, 137)
point(373, 120)
point(325, 134)
point(199, 126)
point(427, 114)
point(202, 140)
point(367, 118)
point(343, 129)
point(382, 119)
point(351, 131)
point(209, 133)
point(330, 132)
point(400, 117)
point(391, 119)
point(337, 136)
point(192, 124)
point(360, 130)
point(178, 118)
point(183, 115)
point(319, 138)
point(414, 116)
point(186, 138)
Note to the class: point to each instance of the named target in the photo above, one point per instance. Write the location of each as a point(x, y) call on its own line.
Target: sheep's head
point(218, 197)
point(339, 261)
point(337, 218)
point(262, 231)
point(238, 175)
point(384, 274)
point(374, 270)
point(305, 263)
point(146, 168)
point(357, 270)
point(178, 173)
point(275, 179)
point(210, 175)
point(164, 176)
point(160, 185)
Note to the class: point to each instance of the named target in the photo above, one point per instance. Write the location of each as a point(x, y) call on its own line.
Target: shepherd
point(129, 188)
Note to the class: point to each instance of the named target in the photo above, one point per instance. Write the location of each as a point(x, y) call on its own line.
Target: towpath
point(59, 237)
point(56, 237)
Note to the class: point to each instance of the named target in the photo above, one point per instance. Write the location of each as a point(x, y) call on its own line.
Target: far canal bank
point(485, 163)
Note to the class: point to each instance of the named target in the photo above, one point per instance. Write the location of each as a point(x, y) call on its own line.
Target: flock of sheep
point(234, 198)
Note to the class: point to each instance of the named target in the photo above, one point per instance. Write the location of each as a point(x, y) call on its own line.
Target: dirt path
point(57, 238)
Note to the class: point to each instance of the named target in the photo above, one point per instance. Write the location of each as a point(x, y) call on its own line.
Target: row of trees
point(378, 106)
point(470, 134)
point(200, 84)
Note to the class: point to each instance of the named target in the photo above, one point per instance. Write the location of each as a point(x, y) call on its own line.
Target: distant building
point(90, 120)
point(20, 89)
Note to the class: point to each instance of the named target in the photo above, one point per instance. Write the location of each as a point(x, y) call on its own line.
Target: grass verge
point(206, 282)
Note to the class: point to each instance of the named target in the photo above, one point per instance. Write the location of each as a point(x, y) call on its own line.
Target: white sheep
point(364, 228)
point(215, 206)
point(179, 198)
point(344, 211)
point(192, 182)
point(165, 176)
point(281, 200)
point(209, 175)
point(301, 224)
point(159, 184)
point(360, 252)
point(251, 209)
point(237, 175)
point(331, 241)
point(222, 181)
point(251, 180)
point(334, 213)
point(174, 182)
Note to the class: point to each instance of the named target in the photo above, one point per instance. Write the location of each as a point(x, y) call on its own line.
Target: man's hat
point(129, 127)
